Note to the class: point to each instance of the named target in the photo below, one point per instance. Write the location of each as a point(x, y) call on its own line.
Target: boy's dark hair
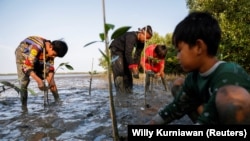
point(60, 47)
point(198, 25)
point(148, 29)
point(161, 51)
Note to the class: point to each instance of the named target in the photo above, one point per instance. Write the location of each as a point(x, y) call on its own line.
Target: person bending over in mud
point(153, 63)
point(30, 62)
point(128, 48)
point(217, 91)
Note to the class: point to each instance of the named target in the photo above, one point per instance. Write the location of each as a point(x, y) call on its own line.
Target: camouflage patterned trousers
point(22, 77)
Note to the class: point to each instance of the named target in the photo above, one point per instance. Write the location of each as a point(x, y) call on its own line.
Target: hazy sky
point(79, 22)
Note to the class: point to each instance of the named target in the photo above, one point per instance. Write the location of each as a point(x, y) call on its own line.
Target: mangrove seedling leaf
point(104, 55)
point(32, 92)
point(90, 43)
point(16, 88)
point(118, 32)
point(101, 36)
point(6, 83)
point(108, 27)
point(69, 67)
point(62, 64)
point(66, 65)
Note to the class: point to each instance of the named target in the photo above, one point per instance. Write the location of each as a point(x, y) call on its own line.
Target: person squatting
point(213, 91)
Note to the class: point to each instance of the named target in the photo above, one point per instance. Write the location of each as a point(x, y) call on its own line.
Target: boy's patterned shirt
point(32, 55)
point(199, 90)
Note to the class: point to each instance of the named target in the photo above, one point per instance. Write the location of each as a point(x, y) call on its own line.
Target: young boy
point(30, 62)
point(128, 61)
point(153, 62)
point(217, 91)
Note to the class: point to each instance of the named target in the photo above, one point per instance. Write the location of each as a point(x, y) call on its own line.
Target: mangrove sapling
point(104, 38)
point(107, 57)
point(7, 85)
point(91, 75)
point(66, 65)
point(45, 90)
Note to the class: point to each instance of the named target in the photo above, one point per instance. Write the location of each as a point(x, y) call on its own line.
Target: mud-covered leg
point(24, 95)
point(56, 96)
point(119, 85)
point(163, 80)
point(128, 82)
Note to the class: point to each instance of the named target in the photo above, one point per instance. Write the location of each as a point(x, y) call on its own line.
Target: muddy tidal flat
point(83, 114)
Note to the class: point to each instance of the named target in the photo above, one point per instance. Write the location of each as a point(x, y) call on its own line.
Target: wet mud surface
point(81, 115)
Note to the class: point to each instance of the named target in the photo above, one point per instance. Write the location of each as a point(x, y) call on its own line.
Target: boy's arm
point(143, 62)
point(183, 104)
point(38, 80)
point(52, 85)
point(162, 66)
point(28, 66)
point(175, 110)
point(138, 53)
point(128, 50)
